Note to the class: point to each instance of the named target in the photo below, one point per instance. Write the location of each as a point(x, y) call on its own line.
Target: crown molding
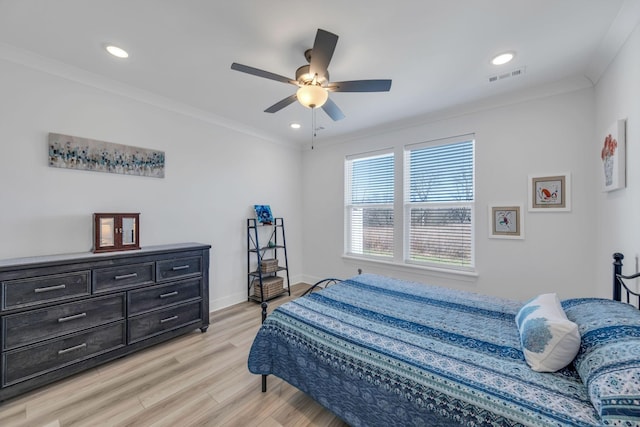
point(59, 69)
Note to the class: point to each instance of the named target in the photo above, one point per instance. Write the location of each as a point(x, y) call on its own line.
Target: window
point(431, 209)
point(439, 196)
point(369, 197)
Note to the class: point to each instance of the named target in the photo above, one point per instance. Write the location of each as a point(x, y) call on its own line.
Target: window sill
point(462, 275)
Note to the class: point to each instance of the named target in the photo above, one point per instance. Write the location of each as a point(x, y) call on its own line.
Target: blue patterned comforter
point(384, 352)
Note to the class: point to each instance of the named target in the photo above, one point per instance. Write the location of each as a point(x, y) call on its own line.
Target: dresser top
point(90, 256)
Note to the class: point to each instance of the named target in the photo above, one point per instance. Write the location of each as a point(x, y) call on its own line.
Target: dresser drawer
point(123, 277)
point(36, 325)
point(39, 359)
point(178, 268)
point(143, 300)
point(157, 322)
point(42, 289)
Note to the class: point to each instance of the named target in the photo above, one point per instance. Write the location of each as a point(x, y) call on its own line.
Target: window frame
point(408, 205)
point(349, 205)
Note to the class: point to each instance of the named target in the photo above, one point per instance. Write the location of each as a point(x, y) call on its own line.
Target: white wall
point(618, 223)
point(543, 135)
point(214, 175)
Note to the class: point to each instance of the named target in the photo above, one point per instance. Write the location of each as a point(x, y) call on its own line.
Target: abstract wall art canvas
point(612, 154)
point(72, 152)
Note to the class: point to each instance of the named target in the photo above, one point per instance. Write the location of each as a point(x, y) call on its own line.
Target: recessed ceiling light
point(503, 58)
point(117, 51)
point(295, 125)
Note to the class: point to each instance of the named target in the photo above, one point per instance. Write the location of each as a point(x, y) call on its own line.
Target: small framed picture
point(506, 221)
point(550, 193)
point(263, 214)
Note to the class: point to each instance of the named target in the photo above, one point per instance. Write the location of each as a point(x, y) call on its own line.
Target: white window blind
point(369, 196)
point(439, 201)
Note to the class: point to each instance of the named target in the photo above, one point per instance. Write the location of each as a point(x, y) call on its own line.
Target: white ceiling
point(436, 52)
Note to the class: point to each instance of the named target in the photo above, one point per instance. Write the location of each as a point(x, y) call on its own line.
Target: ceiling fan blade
point(322, 51)
point(281, 104)
point(332, 110)
point(360, 86)
point(261, 73)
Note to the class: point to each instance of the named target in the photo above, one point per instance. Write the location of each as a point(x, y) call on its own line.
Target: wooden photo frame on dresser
point(116, 232)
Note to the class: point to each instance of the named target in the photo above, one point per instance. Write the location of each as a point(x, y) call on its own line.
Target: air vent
point(513, 73)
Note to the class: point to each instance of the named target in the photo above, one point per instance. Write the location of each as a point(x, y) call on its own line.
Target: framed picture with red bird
point(550, 193)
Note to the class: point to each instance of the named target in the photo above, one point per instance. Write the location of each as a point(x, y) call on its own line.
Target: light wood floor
point(195, 380)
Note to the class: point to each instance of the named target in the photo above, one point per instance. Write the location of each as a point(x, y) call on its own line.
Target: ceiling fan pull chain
point(313, 126)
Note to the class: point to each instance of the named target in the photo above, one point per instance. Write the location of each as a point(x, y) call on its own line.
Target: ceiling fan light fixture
point(313, 80)
point(312, 96)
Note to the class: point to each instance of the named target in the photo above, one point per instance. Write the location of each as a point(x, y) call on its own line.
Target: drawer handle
point(76, 347)
point(170, 294)
point(49, 288)
point(169, 319)
point(126, 276)
point(75, 316)
point(180, 267)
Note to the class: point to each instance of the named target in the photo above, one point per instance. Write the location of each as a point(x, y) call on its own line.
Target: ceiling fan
point(313, 79)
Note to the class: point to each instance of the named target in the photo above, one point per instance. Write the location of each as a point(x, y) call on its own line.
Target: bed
point(378, 351)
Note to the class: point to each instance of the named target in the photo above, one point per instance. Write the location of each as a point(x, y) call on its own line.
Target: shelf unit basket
point(269, 265)
point(271, 287)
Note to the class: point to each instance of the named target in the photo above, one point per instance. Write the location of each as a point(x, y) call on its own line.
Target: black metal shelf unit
point(264, 284)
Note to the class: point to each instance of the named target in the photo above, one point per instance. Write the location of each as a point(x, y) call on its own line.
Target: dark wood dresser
point(63, 314)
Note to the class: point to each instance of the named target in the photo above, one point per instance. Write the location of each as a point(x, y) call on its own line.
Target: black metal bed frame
point(618, 281)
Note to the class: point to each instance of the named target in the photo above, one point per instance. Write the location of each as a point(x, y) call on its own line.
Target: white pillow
point(549, 340)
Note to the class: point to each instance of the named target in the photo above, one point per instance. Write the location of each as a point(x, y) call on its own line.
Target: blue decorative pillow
point(549, 340)
point(609, 358)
